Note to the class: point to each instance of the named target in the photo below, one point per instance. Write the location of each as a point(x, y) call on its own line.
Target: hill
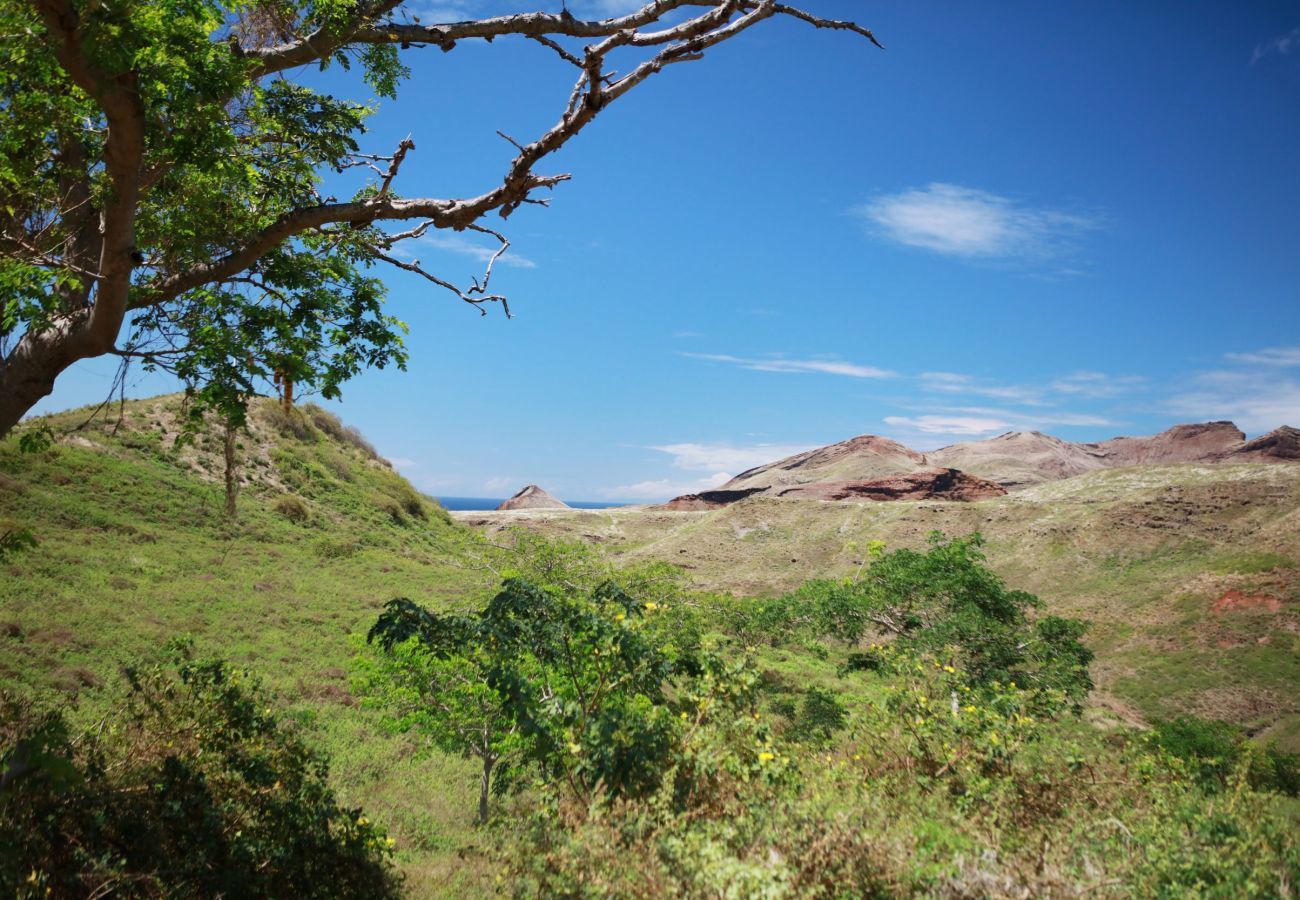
point(1014, 460)
point(533, 497)
point(1148, 553)
point(135, 549)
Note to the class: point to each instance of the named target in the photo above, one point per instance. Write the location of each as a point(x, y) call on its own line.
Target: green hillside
point(1147, 554)
point(809, 763)
point(134, 548)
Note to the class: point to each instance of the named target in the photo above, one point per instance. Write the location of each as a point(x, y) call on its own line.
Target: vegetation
point(910, 726)
point(165, 188)
point(193, 788)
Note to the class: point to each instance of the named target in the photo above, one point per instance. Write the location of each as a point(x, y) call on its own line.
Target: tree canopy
point(161, 177)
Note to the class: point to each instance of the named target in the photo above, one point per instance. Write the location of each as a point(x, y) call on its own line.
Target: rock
point(707, 500)
point(1180, 444)
point(533, 497)
point(927, 484)
point(1281, 444)
point(864, 457)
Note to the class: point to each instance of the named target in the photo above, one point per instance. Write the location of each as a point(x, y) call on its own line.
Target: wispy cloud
point(781, 364)
point(454, 243)
point(975, 421)
point(720, 458)
point(967, 426)
point(1096, 384)
point(1256, 401)
point(402, 462)
point(1283, 45)
point(499, 483)
point(956, 383)
point(664, 488)
point(1270, 356)
point(972, 224)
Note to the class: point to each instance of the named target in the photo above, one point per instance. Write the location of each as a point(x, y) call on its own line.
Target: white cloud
point(402, 462)
point(969, 223)
point(1283, 44)
point(779, 364)
point(969, 426)
point(720, 458)
point(501, 483)
point(1256, 401)
point(1270, 356)
point(955, 383)
point(1096, 384)
point(454, 243)
point(665, 488)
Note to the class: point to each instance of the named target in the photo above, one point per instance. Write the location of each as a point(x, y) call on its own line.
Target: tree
point(593, 687)
point(161, 177)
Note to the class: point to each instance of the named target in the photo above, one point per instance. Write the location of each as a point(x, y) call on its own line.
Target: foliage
point(15, 540)
point(1215, 752)
point(194, 788)
point(577, 682)
point(944, 600)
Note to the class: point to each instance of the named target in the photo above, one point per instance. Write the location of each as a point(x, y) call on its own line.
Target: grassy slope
point(1144, 552)
point(135, 549)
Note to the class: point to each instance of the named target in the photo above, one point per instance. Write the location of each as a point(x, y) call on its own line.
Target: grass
point(134, 548)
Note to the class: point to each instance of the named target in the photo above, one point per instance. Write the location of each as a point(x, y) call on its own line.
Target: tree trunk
point(484, 784)
point(232, 482)
point(27, 375)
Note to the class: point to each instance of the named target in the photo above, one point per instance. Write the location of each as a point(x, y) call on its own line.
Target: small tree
point(577, 682)
point(442, 694)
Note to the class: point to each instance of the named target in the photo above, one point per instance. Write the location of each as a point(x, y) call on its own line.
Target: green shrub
point(1214, 751)
point(192, 788)
point(291, 508)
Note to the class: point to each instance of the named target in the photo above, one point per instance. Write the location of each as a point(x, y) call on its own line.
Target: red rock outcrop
point(1281, 444)
point(927, 484)
point(533, 497)
point(864, 457)
point(707, 500)
point(1180, 444)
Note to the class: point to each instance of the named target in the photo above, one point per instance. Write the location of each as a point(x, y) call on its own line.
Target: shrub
point(1214, 751)
point(291, 508)
point(193, 788)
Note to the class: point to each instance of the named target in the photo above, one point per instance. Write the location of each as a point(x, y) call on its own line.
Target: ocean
point(478, 504)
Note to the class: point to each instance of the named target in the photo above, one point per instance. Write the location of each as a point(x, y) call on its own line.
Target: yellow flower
point(620, 617)
point(765, 756)
point(362, 820)
point(392, 842)
point(949, 669)
point(969, 708)
point(575, 748)
point(652, 605)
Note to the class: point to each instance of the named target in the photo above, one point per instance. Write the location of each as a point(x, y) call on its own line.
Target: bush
point(193, 788)
point(291, 508)
point(1214, 751)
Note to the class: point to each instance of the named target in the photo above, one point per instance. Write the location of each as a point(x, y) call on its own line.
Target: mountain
point(1020, 458)
point(858, 459)
point(533, 497)
point(873, 467)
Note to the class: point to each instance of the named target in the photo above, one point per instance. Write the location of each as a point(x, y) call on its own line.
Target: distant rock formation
point(861, 458)
point(876, 468)
point(707, 500)
point(1280, 444)
point(1180, 444)
point(1019, 458)
point(533, 497)
point(926, 484)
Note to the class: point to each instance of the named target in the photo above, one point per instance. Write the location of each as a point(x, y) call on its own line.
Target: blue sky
point(1080, 218)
